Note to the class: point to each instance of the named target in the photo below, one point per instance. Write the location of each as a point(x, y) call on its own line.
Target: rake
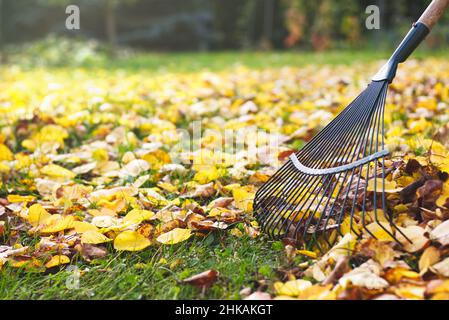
point(323, 188)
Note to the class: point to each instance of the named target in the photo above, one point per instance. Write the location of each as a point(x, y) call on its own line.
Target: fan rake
point(336, 182)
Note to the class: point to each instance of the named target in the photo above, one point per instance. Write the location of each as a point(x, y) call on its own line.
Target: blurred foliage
point(218, 24)
point(324, 24)
point(55, 51)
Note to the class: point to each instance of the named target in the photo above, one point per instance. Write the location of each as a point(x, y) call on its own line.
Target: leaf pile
point(93, 165)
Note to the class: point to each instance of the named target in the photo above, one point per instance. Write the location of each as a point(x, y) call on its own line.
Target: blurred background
point(207, 25)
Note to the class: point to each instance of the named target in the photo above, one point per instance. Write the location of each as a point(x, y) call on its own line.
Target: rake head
point(336, 183)
point(327, 180)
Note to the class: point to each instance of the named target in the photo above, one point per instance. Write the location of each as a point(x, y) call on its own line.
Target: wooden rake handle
point(433, 12)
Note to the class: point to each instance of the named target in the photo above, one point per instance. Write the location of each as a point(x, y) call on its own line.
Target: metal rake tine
point(379, 120)
point(354, 155)
point(353, 139)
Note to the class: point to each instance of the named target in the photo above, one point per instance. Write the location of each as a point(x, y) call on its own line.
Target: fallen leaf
point(94, 237)
point(137, 216)
point(366, 275)
point(204, 191)
point(14, 198)
point(89, 252)
point(57, 172)
point(416, 235)
point(441, 233)
point(174, 236)
point(203, 280)
point(243, 197)
point(81, 226)
point(57, 260)
point(130, 240)
point(441, 268)
point(291, 288)
point(258, 295)
point(37, 215)
point(57, 223)
point(429, 257)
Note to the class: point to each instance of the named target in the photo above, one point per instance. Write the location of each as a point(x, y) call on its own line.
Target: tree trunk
point(110, 24)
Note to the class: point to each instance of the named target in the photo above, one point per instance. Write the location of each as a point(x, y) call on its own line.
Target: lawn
point(67, 134)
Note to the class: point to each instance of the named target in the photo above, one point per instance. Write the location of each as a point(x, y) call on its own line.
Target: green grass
point(217, 61)
point(241, 262)
point(194, 61)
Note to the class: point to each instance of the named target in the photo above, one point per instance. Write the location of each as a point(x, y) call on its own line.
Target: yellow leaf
point(207, 175)
point(57, 260)
point(94, 237)
point(390, 186)
point(130, 240)
point(349, 225)
point(417, 126)
point(429, 257)
point(157, 158)
point(55, 171)
point(100, 155)
point(307, 253)
point(81, 226)
point(291, 288)
point(167, 186)
point(318, 292)
point(18, 198)
point(5, 153)
point(37, 215)
point(218, 211)
point(137, 216)
point(243, 197)
point(174, 236)
point(57, 223)
point(441, 201)
point(379, 230)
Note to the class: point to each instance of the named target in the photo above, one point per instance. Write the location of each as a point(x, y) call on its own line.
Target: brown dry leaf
point(221, 202)
point(380, 251)
point(208, 225)
point(341, 267)
point(90, 251)
point(204, 191)
point(203, 280)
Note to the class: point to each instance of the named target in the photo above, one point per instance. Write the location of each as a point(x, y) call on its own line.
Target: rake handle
point(412, 40)
point(433, 12)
